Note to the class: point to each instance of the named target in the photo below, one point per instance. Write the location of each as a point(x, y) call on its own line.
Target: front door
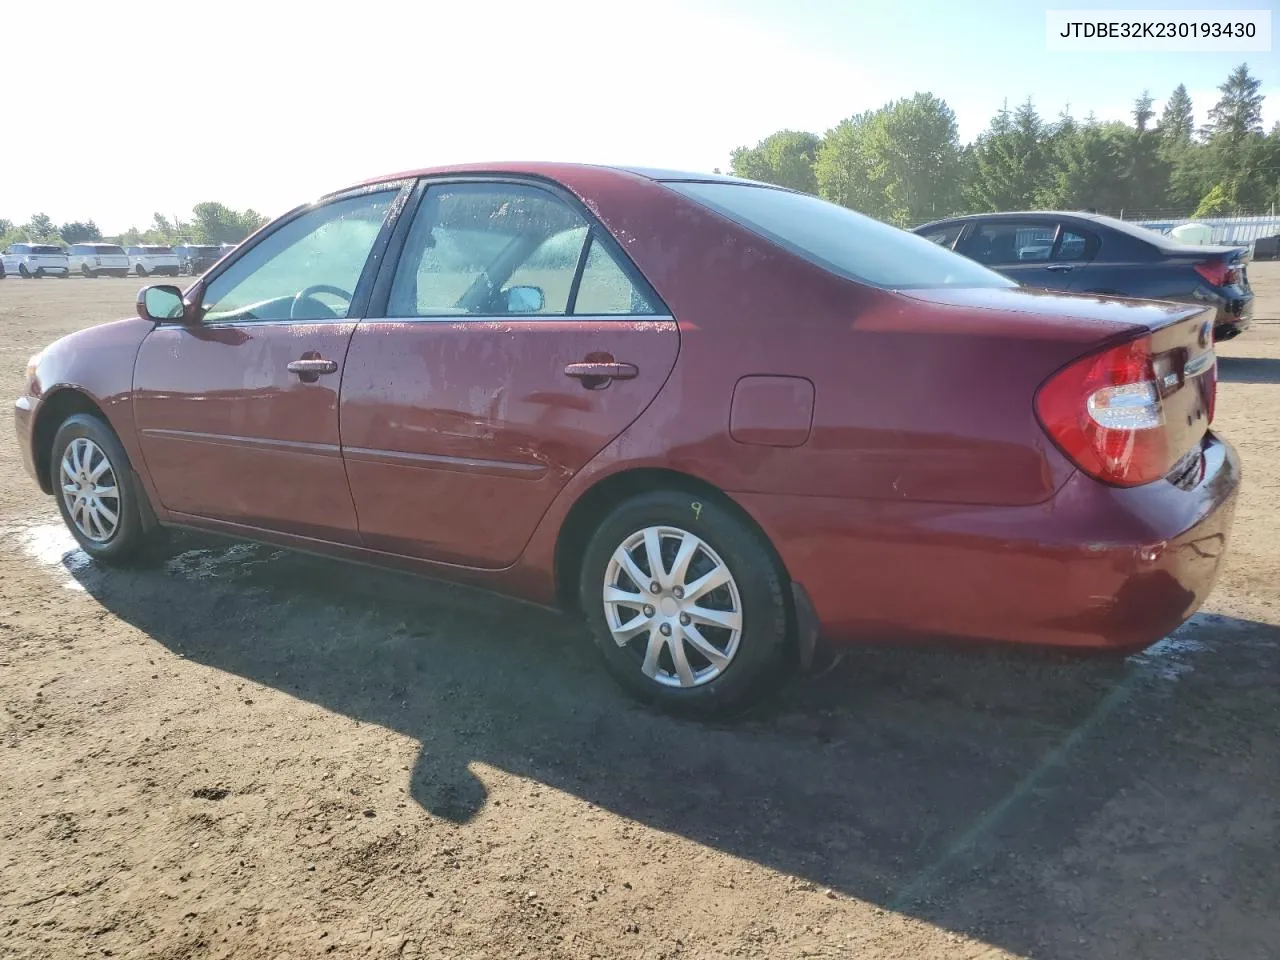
point(237, 415)
point(518, 342)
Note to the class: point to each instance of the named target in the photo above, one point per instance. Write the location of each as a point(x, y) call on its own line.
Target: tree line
point(210, 223)
point(904, 162)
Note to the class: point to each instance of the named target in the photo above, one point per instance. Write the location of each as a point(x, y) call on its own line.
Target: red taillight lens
point(1217, 273)
point(1104, 412)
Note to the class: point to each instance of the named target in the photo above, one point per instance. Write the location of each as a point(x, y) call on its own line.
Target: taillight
point(1104, 412)
point(1219, 273)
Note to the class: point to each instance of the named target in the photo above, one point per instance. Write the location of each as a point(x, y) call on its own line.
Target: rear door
point(517, 341)
point(1021, 248)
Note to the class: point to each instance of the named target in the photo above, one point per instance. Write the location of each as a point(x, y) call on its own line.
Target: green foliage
point(79, 232)
point(1012, 159)
point(1214, 204)
point(785, 158)
point(901, 163)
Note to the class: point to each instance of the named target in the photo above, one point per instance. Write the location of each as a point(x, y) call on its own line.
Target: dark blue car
point(1089, 253)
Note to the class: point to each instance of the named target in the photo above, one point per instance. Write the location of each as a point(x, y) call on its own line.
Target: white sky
point(256, 106)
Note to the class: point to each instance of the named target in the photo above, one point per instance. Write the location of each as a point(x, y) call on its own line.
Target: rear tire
point(85, 272)
point(23, 272)
point(684, 648)
point(140, 270)
point(104, 512)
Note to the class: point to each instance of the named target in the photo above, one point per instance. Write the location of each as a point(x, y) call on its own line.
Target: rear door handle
point(1059, 267)
point(310, 368)
point(594, 373)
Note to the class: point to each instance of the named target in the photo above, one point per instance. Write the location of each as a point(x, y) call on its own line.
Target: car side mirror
point(525, 299)
point(161, 302)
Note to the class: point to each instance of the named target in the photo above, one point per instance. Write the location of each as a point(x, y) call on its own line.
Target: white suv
point(95, 259)
point(29, 260)
point(148, 259)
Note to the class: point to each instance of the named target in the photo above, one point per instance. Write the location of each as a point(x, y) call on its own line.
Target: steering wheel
point(309, 294)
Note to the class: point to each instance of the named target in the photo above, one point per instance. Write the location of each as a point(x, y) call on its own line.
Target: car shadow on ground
point(1249, 369)
point(950, 786)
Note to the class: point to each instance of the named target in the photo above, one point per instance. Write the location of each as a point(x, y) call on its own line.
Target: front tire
point(686, 604)
point(23, 272)
point(97, 493)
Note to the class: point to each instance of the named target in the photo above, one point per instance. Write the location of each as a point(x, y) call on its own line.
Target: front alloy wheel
point(90, 490)
point(97, 495)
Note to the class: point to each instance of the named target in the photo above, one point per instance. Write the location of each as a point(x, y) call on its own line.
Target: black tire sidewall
point(763, 647)
point(130, 535)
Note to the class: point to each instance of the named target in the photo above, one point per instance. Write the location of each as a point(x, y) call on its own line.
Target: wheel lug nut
point(648, 610)
point(684, 619)
point(665, 629)
point(655, 587)
point(678, 593)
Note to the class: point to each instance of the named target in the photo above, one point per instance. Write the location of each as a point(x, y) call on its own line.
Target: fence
point(1234, 231)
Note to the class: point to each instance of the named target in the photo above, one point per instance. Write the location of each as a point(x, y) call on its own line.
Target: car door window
point(1009, 242)
point(306, 270)
point(944, 236)
point(481, 249)
point(606, 290)
point(1072, 246)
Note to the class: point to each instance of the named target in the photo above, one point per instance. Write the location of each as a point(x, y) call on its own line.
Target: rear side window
point(1009, 242)
point(839, 240)
point(1073, 246)
point(606, 290)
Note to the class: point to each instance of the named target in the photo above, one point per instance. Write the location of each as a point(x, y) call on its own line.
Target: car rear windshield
point(107, 248)
point(206, 250)
point(45, 248)
point(152, 250)
point(840, 240)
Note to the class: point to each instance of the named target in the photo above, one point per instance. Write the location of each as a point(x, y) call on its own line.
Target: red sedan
point(719, 418)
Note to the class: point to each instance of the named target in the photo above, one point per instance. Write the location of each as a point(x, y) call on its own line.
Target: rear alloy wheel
point(686, 604)
point(98, 497)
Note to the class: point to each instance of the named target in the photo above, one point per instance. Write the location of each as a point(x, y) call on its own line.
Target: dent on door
point(458, 434)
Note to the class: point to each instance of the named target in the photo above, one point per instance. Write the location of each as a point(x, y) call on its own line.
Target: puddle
point(51, 545)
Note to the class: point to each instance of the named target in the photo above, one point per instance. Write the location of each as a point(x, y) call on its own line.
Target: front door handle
point(1059, 267)
point(597, 373)
point(309, 369)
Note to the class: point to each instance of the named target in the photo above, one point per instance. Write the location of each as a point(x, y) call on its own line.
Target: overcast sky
point(110, 115)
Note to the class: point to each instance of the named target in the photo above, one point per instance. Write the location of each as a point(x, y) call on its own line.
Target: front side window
point(305, 270)
point(840, 240)
point(944, 236)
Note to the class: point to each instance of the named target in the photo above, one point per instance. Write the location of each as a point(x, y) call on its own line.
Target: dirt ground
point(256, 754)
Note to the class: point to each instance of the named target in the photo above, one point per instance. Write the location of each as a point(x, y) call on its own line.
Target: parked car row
point(1090, 253)
point(34, 260)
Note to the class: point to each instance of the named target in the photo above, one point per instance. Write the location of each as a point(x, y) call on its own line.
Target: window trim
point(194, 295)
point(381, 291)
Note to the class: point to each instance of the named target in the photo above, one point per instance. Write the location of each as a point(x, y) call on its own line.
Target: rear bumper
point(24, 421)
point(1095, 566)
point(1235, 316)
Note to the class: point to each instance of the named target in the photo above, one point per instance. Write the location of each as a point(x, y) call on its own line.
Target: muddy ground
point(252, 753)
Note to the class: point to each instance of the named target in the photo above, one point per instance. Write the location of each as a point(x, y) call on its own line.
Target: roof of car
point(560, 171)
